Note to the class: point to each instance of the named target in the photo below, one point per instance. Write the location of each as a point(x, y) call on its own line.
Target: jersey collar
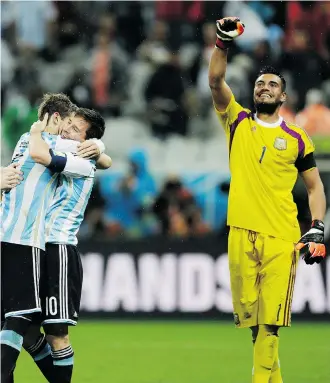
point(267, 124)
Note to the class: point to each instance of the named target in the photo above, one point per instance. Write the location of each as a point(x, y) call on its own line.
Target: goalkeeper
point(265, 156)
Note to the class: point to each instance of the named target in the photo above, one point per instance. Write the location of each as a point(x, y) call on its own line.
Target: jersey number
point(262, 154)
point(51, 306)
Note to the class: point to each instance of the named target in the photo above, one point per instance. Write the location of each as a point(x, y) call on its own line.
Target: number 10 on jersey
point(51, 306)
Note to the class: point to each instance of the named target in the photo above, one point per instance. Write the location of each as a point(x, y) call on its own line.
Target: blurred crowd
point(149, 61)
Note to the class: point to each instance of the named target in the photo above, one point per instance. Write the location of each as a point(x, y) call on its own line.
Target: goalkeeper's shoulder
point(302, 133)
point(293, 126)
point(233, 106)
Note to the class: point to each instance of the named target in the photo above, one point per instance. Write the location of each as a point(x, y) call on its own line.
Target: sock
point(11, 340)
point(41, 354)
point(276, 376)
point(63, 364)
point(11, 345)
point(264, 354)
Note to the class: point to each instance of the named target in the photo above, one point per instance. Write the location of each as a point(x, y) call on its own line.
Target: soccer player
point(61, 287)
point(11, 176)
point(265, 156)
point(22, 228)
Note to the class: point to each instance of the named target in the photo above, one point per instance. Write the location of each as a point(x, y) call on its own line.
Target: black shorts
point(61, 284)
point(20, 277)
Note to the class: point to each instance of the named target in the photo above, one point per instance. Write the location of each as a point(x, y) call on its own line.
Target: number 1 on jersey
point(262, 154)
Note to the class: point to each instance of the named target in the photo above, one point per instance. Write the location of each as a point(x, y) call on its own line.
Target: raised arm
point(227, 29)
point(221, 93)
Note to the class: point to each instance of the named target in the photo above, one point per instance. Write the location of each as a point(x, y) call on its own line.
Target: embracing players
point(23, 261)
point(265, 156)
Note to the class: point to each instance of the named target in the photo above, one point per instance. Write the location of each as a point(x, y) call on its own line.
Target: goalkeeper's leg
point(275, 375)
point(265, 354)
point(274, 306)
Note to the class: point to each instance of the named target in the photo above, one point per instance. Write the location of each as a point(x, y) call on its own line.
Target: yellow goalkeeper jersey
point(262, 160)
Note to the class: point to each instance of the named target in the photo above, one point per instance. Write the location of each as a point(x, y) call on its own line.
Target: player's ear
point(283, 97)
point(57, 119)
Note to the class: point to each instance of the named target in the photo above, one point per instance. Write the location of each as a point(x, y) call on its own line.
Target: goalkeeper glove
point(311, 245)
point(228, 29)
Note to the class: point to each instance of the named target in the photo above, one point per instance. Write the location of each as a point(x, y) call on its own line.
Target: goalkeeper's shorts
point(262, 274)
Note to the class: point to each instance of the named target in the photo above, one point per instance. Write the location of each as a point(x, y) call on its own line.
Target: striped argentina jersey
point(66, 212)
point(24, 207)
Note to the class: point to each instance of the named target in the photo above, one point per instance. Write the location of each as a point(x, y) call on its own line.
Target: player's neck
point(268, 118)
point(51, 129)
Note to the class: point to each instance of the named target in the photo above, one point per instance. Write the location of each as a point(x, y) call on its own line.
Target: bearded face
point(268, 95)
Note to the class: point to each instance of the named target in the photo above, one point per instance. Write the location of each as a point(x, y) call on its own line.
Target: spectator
point(197, 227)
point(154, 49)
point(302, 52)
point(315, 117)
point(166, 205)
point(176, 210)
point(129, 199)
point(151, 53)
point(199, 69)
point(35, 25)
point(183, 18)
point(101, 72)
point(165, 97)
point(311, 17)
point(109, 69)
point(129, 23)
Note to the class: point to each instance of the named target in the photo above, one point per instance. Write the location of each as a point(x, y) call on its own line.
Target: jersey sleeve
point(229, 116)
point(64, 145)
point(75, 166)
point(308, 143)
point(306, 160)
point(78, 167)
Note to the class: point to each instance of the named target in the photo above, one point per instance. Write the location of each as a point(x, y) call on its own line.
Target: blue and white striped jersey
point(67, 209)
point(24, 207)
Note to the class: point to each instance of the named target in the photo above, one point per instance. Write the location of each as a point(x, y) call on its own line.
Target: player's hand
point(228, 29)
point(40, 125)
point(311, 245)
point(88, 149)
point(11, 176)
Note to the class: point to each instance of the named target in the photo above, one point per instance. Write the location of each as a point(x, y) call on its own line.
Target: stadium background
point(154, 237)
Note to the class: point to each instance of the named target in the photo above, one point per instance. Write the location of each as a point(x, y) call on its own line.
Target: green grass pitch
point(185, 352)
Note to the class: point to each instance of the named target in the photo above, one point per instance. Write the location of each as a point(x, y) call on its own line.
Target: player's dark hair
point(96, 121)
point(270, 70)
point(56, 102)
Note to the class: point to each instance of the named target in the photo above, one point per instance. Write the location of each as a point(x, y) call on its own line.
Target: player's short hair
point(56, 102)
point(271, 70)
point(96, 121)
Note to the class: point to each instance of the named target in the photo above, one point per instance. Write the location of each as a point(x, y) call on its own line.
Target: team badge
point(236, 319)
point(280, 143)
